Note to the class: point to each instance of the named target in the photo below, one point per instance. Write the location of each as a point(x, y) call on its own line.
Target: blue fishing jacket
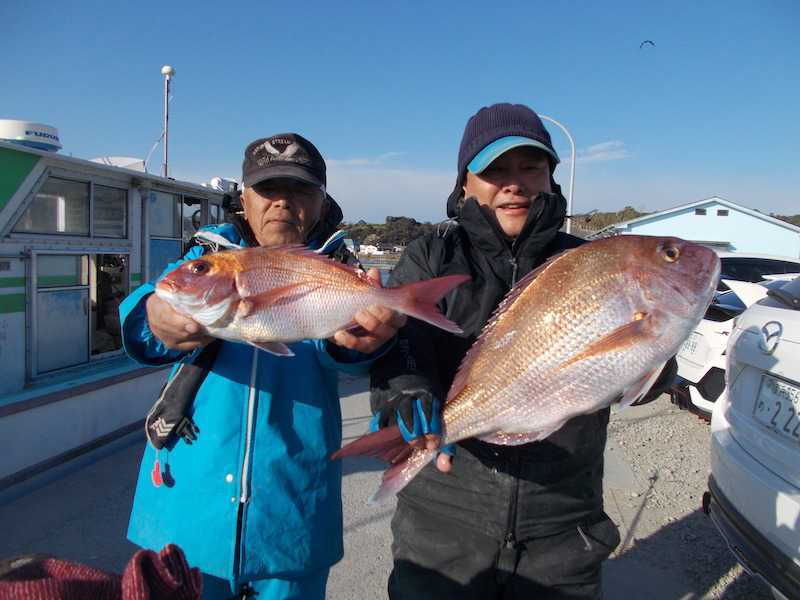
point(255, 496)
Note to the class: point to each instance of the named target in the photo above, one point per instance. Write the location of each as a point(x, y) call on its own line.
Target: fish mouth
point(167, 286)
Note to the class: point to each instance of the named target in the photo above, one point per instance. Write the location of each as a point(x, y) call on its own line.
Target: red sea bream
point(272, 296)
point(591, 326)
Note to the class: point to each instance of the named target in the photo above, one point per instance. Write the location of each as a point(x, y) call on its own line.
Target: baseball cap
point(283, 155)
point(493, 131)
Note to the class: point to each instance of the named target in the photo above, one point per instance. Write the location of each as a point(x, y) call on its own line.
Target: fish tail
point(423, 296)
point(388, 445)
point(399, 474)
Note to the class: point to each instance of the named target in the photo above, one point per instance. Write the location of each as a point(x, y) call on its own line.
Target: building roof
point(612, 229)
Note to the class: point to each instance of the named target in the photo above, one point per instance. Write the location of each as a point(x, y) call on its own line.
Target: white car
point(743, 266)
point(754, 497)
point(701, 359)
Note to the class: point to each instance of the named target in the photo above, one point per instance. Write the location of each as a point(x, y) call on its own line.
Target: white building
point(719, 223)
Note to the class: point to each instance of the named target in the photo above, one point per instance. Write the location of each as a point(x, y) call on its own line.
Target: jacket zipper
point(514, 269)
point(244, 487)
point(248, 449)
point(509, 554)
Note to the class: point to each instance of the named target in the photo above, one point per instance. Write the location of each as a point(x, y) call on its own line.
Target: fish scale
point(591, 326)
point(535, 378)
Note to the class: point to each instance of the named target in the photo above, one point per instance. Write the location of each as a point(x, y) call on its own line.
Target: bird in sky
point(646, 42)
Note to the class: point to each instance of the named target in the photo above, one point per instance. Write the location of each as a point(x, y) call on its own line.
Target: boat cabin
point(76, 237)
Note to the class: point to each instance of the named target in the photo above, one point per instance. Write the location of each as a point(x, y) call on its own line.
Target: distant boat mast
point(168, 72)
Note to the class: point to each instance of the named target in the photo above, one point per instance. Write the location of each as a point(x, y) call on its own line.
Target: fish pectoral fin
point(638, 390)
point(250, 305)
point(623, 337)
point(276, 348)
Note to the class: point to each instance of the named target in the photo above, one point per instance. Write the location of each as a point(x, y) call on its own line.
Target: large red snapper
point(271, 296)
point(595, 324)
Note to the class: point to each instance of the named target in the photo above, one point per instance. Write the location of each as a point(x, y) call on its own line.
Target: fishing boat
point(76, 237)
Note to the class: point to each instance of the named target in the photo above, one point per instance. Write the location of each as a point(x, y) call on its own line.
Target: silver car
point(754, 496)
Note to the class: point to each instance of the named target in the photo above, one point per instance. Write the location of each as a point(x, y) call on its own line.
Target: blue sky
point(384, 90)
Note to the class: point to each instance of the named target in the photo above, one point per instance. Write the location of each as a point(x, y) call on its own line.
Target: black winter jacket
point(510, 492)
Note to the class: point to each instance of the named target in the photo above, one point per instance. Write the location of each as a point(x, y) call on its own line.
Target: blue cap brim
point(486, 156)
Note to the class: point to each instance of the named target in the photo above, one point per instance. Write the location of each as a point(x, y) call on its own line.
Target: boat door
point(62, 310)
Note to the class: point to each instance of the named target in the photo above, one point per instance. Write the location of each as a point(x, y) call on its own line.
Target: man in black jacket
point(496, 521)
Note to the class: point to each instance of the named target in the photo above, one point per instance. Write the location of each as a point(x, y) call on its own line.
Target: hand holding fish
point(176, 331)
point(378, 325)
point(413, 405)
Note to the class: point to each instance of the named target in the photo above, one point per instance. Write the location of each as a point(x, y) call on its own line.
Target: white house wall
point(741, 231)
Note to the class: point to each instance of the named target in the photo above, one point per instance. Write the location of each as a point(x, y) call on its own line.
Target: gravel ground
point(668, 452)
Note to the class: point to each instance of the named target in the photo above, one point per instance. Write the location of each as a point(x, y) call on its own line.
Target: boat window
point(62, 311)
point(110, 212)
point(60, 270)
point(164, 225)
point(164, 218)
point(61, 206)
point(193, 218)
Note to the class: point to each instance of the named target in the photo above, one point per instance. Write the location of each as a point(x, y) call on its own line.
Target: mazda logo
point(770, 336)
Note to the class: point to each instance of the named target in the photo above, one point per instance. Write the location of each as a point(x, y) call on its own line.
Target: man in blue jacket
point(254, 501)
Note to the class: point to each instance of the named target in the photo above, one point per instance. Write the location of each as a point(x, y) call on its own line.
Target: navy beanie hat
point(492, 131)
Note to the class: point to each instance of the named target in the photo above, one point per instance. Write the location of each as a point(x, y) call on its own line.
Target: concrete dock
point(81, 514)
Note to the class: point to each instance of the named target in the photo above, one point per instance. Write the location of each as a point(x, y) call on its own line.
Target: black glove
point(169, 420)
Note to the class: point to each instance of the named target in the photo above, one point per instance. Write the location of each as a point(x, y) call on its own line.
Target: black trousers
point(440, 560)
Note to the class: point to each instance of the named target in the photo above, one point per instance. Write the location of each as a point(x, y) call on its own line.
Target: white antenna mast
point(168, 72)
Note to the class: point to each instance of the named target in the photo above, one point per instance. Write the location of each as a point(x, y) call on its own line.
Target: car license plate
point(778, 407)
point(689, 347)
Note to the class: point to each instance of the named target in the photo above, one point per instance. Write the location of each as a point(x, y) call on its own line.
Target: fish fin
point(276, 348)
point(625, 336)
point(425, 295)
point(639, 389)
point(300, 250)
point(250, 305)
point(388, 445)
point(399, 474)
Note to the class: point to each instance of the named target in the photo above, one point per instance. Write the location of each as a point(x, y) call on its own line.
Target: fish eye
point(201, 267)
point(670, 253)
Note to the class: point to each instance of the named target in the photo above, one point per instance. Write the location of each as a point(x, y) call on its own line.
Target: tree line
point(399, 231)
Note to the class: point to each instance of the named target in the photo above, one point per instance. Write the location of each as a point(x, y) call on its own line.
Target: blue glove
point(415, 414)
point(408, 401)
